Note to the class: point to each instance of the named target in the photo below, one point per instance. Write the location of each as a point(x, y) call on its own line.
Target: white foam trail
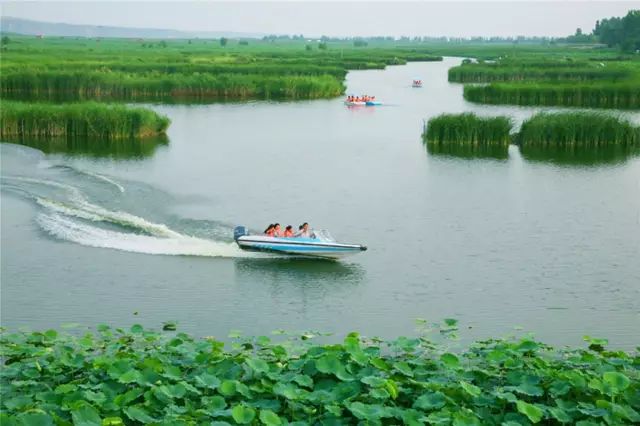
point(75, 192)
point(84, 209)
point(97, 176)
point(58, 221)
point(87, 235)
point(104, 179)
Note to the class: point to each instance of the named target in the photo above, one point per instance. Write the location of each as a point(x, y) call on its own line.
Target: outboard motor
point(240, 231)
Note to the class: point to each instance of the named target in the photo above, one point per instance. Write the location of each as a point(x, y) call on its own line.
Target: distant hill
point(29, 27)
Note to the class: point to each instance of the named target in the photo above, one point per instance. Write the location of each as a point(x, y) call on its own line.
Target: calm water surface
point(549, 243)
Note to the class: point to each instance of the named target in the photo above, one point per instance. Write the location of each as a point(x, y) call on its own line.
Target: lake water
point(143, 234)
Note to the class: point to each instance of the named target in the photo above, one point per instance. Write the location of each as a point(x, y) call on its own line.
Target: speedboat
point(373, 103)
point(417, 83)
point(355, 103)
point(322, 245)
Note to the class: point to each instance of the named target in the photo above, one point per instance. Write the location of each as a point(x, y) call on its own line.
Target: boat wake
point(67, 210)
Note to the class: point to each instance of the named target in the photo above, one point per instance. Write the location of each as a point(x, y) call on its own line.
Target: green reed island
point(138, 376)
point(468, 129)
point(579, 130)
point(89, 119)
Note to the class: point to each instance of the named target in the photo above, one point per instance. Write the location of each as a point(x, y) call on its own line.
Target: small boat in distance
point(321, 246)
point(417, 83)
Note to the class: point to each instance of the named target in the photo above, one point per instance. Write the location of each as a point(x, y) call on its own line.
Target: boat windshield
point(323, 235)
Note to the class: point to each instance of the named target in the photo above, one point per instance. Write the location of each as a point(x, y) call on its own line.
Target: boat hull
point(308, 247)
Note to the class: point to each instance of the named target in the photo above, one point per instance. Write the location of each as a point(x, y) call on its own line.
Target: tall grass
point(596, 95)
point(468, 129)
point(128, 70)
point(486, 73)
point(577, 129)
point(66, 85)
point(88, 119)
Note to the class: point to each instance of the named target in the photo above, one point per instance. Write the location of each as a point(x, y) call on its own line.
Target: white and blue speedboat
point(322, 245)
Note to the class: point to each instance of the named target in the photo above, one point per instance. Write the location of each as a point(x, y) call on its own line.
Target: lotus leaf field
point(113, 377)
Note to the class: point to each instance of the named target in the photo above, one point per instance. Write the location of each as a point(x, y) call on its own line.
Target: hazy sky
point(312, 18)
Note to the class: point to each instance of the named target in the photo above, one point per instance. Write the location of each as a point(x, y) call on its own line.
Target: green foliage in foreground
point(114, 377)
point(468, 129)
point(624, 95)
point(89, 119)
point(584, 129)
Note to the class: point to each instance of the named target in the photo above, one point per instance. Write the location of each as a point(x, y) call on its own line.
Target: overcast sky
point(312, 18)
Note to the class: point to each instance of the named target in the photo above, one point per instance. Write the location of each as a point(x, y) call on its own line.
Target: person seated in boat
point(277, 231)
point(288, 231)
point(304, 231)
point(269, 230)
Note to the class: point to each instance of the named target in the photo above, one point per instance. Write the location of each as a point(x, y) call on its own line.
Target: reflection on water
point(296, 286)
point(571, 156)
point(469, 151)
point(96, 148)
point(302, 271)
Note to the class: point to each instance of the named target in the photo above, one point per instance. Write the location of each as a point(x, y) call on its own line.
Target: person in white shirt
point(304, 231)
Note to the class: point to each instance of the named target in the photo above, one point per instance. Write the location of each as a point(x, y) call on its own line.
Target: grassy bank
point(114, 377)
point(468, 129)
point(625, 95)
point(81, 120)
point(577, 129)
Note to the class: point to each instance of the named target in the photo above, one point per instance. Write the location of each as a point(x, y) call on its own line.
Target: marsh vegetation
point(80, 120)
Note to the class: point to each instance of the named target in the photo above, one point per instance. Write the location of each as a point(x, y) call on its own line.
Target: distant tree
point(360, 43)
point(223, 41)
point(322, 45)
point(243, 43)
point(163, 43)
point(5, 40)
point(189, 42)
point(578, 32)
point(623, 33)
point(308, 47)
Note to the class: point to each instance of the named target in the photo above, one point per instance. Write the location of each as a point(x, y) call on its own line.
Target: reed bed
point(577, 129)
point(597, 95)
point(266, 69)
point(128, 70)
point(88, 119)
point(64, 86)
point(487, 74)
point(468, 129)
